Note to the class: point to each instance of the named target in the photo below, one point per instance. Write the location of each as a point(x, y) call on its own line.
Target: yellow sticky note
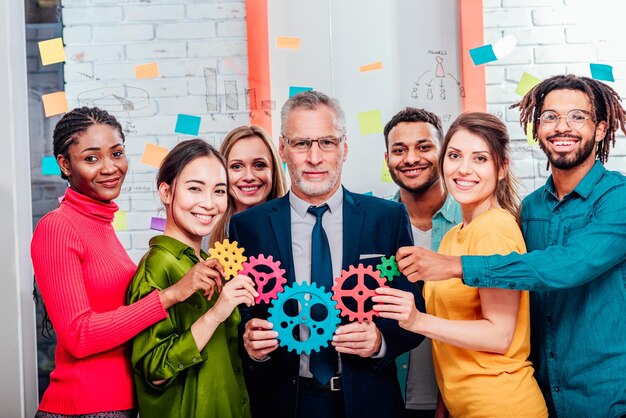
point(119, 222)
point(54, 103)
point(384, 174)
point(371, 67)
point(150, 70)
point(370, 122)
point(527, 82)
point(153, 155)
point(51, 51)
point(529, 135)
point(287, 42)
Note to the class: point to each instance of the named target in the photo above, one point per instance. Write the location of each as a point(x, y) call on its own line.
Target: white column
point(18, 346)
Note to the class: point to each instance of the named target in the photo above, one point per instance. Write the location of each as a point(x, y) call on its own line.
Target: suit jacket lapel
point(280, 220)
point(352, 229)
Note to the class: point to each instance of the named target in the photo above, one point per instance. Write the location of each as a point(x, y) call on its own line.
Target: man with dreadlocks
point(575, 232)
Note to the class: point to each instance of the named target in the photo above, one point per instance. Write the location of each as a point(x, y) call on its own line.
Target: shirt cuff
point(475, 271)
point(383, 348)
point(185, 352)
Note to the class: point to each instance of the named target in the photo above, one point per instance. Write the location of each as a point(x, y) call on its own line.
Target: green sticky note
point(49, 166)
point(385, 176)
point(526, 83)
point(529, 135)
point(119, 222)
point(370, 122)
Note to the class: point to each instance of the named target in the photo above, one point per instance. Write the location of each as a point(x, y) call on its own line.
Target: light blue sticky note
point(187, 124)
point(601, 72)
point(285, 167)
point(293, 90)
point(368, 194)
point(483, 54)
point(49, 166)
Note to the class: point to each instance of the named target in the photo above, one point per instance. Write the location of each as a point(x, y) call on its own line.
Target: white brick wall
point(557, 37)
point(104, 41)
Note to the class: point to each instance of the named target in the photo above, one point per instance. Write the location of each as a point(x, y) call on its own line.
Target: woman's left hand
point(397, 304)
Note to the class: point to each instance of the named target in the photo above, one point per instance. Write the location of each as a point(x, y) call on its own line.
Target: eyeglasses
point(328, 144)
point(575, 118)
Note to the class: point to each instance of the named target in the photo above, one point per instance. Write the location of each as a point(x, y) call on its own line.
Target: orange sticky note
point(371, 67)
point(150, 70)
point(54, 103)
point(51, 51)
point(287, 42)
point(153, 155)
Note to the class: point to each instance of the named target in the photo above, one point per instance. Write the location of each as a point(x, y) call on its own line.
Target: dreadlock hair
point(410, 115)
point(605, 106)
point(77, 121)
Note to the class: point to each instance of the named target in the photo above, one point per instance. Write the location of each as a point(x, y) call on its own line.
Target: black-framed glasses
point(575, 118)
point(326, 144)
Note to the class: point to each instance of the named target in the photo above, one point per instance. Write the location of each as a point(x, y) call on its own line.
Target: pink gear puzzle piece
point(262, 278)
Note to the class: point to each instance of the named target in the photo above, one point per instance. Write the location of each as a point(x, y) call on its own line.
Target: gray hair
point(311, 100)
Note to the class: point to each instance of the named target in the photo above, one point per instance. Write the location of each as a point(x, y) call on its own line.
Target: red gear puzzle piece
point(360, 293)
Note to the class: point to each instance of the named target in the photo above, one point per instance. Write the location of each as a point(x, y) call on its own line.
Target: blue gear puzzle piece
point(322, 329)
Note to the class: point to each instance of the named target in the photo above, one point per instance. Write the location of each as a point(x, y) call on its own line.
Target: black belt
point(335, 384)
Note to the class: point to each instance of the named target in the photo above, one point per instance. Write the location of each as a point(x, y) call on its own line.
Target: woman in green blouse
point(188, 364)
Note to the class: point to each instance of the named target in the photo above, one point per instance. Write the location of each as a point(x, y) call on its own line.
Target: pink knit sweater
point(83, 271)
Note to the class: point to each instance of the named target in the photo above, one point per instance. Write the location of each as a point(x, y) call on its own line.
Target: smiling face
point(249, 172)
point(97, 163)
point(568, 147)
point(315, 174)
point(469, 172)
point(413, 156)
point(195, 201)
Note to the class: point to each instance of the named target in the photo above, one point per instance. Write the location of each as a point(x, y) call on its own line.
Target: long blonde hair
point(279, 183)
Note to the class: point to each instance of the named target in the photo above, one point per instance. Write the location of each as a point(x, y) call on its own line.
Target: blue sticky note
point(601, 72)
point(368, 194)
point(483, 54)
point(293, 90)
point(49, 166)
point(187, 124)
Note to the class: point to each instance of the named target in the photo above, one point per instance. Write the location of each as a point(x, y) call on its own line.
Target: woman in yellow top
point(481, 337)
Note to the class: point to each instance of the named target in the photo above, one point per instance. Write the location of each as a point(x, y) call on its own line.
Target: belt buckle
point(335, 384)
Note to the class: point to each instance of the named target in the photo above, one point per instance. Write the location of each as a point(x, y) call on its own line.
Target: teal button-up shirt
point(444, 219)
point(576, 268)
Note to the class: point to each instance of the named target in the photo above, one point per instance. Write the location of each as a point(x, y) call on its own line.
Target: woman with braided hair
point(83, 271)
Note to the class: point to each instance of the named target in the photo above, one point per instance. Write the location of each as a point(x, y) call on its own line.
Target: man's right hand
point(258, 338)
point(419, 263)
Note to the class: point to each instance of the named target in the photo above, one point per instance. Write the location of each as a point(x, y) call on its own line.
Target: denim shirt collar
point(585, 186)
point(450, 210)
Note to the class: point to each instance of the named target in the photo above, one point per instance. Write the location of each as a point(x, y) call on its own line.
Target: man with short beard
point(575, 232)
point(412, 141)
point(318, 229)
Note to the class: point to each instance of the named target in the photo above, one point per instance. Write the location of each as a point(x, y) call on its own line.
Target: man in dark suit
point(316, 230)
